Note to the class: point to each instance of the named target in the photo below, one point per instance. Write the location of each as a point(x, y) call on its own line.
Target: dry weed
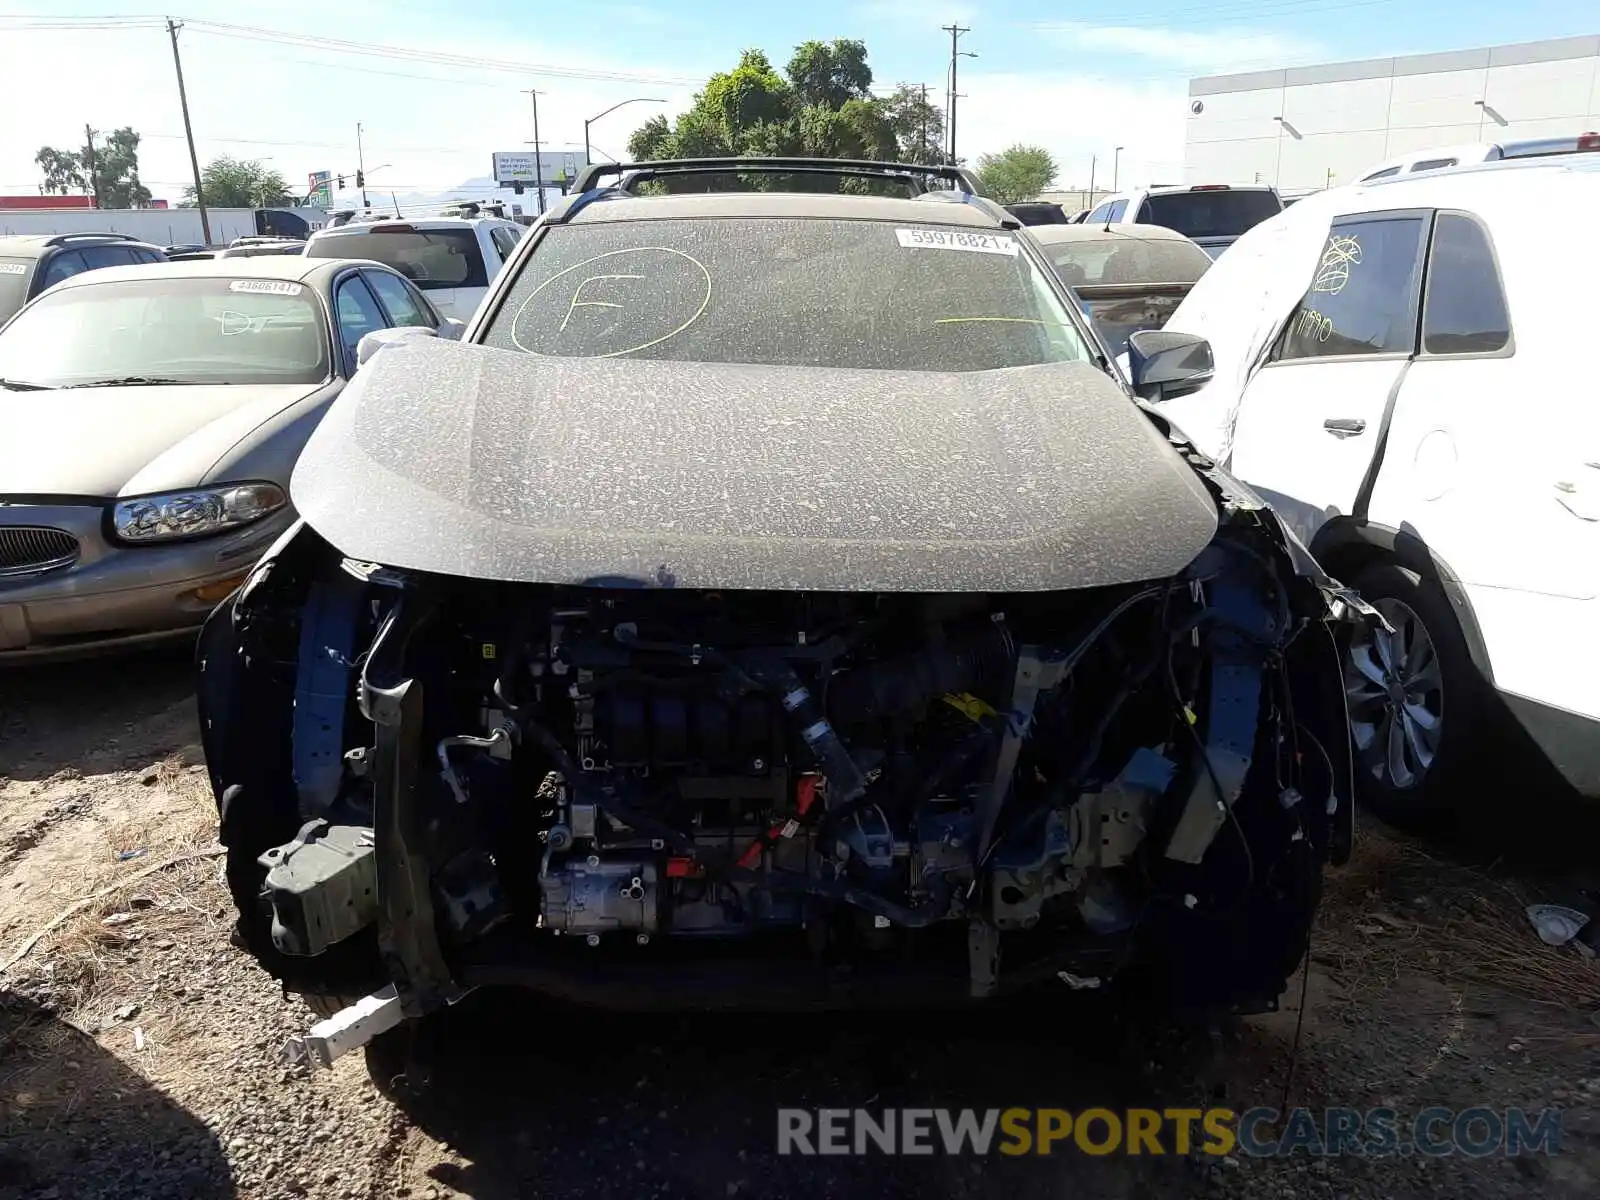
point(1398, 907)
point(181, 904)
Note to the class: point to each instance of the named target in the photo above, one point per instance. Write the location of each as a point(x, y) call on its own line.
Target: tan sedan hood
point(128, 441)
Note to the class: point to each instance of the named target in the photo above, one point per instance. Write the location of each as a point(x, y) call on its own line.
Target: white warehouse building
point(1312, 127)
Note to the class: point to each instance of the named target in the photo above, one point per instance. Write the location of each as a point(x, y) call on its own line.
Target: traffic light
point(341, 182)
point(361, 179)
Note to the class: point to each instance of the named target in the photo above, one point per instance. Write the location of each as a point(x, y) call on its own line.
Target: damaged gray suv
point(776, 599)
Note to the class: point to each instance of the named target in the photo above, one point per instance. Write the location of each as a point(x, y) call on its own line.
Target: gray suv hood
point(495, 464)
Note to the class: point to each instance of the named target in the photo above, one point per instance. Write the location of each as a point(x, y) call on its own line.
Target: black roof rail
point(61, 239)
point(1002, 215)
point(640, 172)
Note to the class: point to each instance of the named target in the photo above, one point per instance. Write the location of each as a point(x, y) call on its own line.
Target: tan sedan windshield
point(172, 330)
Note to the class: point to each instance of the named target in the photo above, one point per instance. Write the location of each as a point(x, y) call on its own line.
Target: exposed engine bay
point(636, 793)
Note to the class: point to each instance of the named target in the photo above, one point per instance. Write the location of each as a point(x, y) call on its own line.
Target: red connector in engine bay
point(805, 795)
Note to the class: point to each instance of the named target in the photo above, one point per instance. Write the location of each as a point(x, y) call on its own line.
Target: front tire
point(1415, 700)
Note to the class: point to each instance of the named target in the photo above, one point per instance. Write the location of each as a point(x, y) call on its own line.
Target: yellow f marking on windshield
point(577, 301)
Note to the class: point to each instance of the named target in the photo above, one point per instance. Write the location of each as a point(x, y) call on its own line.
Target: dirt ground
point(139, 1051)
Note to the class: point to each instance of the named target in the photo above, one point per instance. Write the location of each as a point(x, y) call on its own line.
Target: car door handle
point(1343, 427)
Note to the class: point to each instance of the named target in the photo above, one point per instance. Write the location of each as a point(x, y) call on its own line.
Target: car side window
point(1143, 215)
point(1464, 306)
point(100, 257)
point(62, 266)
point(1098, 215)
point(358, 315)
point(1386, 173)
point(1363, 294)
point(505, 241)
point(1117, 209)
point(145, 256)
point(397, 297)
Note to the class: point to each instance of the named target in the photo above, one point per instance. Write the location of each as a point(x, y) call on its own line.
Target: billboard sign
point(319, 189)
point(557, 168)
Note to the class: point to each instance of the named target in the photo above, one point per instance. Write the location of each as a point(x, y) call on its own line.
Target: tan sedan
point(152, 416)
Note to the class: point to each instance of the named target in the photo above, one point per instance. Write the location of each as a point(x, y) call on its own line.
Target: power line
point(254, 33)
point(384, 147)
point(409, 54)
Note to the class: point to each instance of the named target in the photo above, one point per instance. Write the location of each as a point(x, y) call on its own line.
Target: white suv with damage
point(1395, 372)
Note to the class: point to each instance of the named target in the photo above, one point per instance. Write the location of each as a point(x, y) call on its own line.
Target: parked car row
point(452, 258)
point(836, 569)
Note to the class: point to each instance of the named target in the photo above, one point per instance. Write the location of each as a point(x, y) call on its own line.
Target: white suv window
point(1464, 311)
point(505, 241)
point(1363, 296)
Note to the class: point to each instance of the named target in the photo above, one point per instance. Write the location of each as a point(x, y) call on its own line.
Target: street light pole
point(361, 167)
point(612, 109)
point(955, 32)
point(1116, 166)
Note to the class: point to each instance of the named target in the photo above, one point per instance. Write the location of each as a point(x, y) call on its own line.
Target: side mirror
point(371, 343)
point(451, 329)
point(1164, 366)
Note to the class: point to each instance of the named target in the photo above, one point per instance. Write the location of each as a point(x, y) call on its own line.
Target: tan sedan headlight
point(194, 513)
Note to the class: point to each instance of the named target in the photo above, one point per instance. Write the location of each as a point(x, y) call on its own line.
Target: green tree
point(750, 95)
point(63, 171)
point(239, 183)
point(649, 140)
point(1017, 173)
point(822, 106)
point(917, 124)
point(116, 171)
point(830, 74)
point(108, 171)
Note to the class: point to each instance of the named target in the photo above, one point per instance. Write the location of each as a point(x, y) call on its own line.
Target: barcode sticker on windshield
point(270, 287)
point(956, 239)
point(13, 268)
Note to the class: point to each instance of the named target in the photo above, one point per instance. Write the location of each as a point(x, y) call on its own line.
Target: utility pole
point(361, 169)
point(955, 32)
point(922, 145)
point(1094, 161)
point(88, 162)
point(538, 166)
point(188, 133)
point(1116, 167)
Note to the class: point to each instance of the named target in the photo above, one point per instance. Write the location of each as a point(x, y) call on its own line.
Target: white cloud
point(297, 106)
point(1216, 50)
point(921, 15)
point(1077, 118)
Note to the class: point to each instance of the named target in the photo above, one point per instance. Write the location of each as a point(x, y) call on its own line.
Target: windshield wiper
point(131, 381)
point(22, 385)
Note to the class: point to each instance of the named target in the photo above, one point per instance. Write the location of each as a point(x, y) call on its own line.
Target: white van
point(1399, 370)
point(452, 259)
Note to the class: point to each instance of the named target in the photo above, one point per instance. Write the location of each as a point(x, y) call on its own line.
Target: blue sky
point(1078, 79)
